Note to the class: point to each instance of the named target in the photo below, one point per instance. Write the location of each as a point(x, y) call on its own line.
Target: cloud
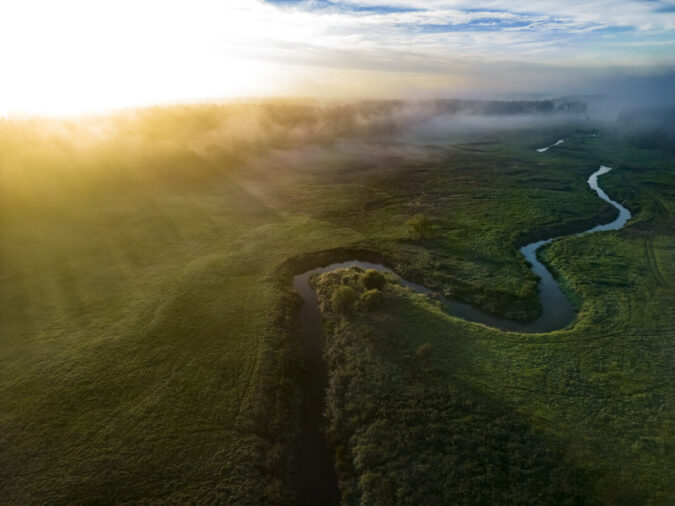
point(637, 13)
point(412, 34)
point(77, 54)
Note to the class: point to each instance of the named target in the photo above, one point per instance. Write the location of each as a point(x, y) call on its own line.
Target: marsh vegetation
point(150, 339)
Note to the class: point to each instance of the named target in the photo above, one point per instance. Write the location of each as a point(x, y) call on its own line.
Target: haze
point(76, 56)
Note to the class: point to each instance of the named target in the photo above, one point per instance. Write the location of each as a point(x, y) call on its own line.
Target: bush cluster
point(343, 299)
point(372, 280)
point(371, 299)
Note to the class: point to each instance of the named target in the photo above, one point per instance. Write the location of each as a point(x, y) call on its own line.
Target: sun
point(78, 56)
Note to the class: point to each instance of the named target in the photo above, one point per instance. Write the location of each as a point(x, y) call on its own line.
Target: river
point(316, 476)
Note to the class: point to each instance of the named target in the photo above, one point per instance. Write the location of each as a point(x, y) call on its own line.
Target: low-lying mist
point(39, 156)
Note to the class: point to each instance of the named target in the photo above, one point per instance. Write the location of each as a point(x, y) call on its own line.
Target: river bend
point(316, 477)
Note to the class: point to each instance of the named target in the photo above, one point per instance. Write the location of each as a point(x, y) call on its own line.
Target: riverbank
point(432, 406)
point(317, 480)
point(150, 347)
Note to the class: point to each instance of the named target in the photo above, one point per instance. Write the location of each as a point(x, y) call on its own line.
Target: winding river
point(541, 150)
point(316, 477)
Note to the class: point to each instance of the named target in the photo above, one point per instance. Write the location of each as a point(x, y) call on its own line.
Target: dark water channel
point(316, 477)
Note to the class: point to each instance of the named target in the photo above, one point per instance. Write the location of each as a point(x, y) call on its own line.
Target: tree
point(343, 299)
point(371, 279)
point(421, 226)
point(371, 300)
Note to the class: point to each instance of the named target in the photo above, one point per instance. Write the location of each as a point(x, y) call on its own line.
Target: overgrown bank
point(407, 428)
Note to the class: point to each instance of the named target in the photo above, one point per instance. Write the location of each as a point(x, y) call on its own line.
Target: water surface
point(541, 150)
point(316, 477)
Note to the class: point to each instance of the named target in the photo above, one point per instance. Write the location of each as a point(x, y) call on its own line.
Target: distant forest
point(502, 107)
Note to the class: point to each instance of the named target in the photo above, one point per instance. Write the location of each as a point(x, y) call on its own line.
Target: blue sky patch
point(343, 6)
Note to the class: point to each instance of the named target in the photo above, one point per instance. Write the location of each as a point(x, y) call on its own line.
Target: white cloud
point(640, 14)
point(81, 55)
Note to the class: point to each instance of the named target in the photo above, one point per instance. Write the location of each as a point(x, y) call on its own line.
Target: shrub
point(372, 279)
point(424, 350)
point(371, 299)
point(343, 299)
point(421, 226)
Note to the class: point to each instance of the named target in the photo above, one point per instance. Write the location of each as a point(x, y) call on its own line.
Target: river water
point(316, 477)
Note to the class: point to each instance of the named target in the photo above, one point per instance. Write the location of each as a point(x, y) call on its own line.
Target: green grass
point(586, 412)
point(149, 347)
point(408, 427)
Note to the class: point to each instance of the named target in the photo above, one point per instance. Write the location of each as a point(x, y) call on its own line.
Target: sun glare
point(78, 56)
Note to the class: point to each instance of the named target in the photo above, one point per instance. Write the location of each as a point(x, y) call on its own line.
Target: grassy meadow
point(149, 348)
point(577, 416)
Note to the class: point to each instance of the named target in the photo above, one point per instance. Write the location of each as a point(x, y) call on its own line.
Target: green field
point(149, 347)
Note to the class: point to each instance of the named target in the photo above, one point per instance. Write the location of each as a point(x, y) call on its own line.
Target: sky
point(75, 56)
